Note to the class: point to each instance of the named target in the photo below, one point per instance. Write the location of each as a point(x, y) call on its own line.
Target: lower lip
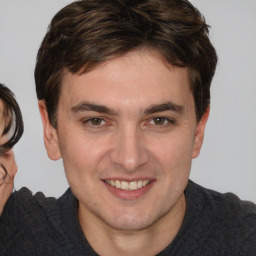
point(129, 194)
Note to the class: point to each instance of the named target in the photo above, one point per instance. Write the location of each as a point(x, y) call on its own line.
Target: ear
point(50, 134)
point(199, 136)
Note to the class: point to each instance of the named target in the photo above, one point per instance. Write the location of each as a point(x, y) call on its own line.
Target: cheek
point(76, 156)
point(175, 151)
point(80, 153)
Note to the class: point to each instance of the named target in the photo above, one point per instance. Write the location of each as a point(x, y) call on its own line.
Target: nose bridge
point(129, 151)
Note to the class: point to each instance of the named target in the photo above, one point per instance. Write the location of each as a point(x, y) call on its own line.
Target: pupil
point(159, 120)
point(96, 121)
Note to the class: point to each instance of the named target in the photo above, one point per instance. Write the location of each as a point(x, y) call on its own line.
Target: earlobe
point(199, 136)
point(50, 133)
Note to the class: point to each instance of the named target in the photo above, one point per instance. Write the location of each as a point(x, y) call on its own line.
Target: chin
point(131, 221)
point(130, 225)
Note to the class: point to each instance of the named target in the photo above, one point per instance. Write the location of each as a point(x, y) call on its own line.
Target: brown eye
point(96, 121)
point(160, 120)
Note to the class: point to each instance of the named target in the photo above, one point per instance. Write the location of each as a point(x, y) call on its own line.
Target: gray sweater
point(214, 224)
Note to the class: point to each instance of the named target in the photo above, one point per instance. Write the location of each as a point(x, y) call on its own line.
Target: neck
point(106, 240)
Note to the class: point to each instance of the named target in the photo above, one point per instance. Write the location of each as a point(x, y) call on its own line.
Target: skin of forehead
point(143, 54)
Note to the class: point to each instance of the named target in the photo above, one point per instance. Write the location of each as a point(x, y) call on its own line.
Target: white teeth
point(133, 185)
point(144, 183)
point(124, 185)
point(117, 184)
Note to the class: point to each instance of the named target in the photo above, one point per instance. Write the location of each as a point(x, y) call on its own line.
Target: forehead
point(137, 79)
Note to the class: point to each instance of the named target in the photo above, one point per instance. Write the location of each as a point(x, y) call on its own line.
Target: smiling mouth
point(125, 185)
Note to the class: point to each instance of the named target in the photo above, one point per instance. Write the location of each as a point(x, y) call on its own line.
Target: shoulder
point(24, 208)
point(24, 203)
point(30, 219)
point(225, 204)
point(231, 221)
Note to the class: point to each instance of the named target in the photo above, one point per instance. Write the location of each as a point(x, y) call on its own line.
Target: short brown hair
point(87, 33)
point(12, 118)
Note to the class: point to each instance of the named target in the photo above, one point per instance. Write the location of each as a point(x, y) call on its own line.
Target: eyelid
point(86, 120)
point(168, 119)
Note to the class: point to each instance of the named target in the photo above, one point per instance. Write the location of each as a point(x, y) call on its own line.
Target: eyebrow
point(86, 106)
point(167, 106)
point(164, 107)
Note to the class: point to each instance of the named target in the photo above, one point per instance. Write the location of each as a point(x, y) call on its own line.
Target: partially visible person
point(11, 130)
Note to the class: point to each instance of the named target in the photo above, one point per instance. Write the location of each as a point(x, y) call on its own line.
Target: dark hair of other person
point(12, 117)
point(87, 33)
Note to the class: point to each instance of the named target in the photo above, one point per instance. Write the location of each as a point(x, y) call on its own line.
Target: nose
point(129, 151)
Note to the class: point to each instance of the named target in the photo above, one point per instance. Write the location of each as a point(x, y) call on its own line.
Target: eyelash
point(165, 122)
point(90, 120)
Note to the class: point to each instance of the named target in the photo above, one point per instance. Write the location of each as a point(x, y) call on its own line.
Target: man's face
point(127, 132)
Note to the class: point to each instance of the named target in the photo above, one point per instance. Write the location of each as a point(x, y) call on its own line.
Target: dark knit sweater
point(214, 224)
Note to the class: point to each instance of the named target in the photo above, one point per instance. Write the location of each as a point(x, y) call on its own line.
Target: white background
point(228, 158)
